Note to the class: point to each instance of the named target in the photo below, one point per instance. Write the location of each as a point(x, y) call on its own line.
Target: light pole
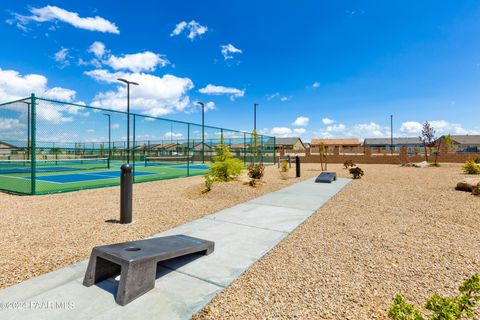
point(255, 117)
point(109, 135)
point(391, 133)
point(203, 130)
point(128, 114)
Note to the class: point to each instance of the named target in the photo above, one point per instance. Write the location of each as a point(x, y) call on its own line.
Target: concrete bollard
point(126, 188)
point(297, 166)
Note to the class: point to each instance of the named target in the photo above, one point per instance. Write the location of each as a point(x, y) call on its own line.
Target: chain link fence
point(49, 146)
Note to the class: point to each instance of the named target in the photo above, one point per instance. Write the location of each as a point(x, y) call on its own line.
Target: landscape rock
point(467, 184)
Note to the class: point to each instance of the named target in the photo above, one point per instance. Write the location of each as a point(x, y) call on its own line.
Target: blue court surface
point(27, 169)
point(79, 177)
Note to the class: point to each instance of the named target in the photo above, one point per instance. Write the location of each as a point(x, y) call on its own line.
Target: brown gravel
point(397, 230)
point(43, 233)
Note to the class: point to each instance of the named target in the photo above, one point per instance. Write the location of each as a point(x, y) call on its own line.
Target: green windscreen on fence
point(49, 146)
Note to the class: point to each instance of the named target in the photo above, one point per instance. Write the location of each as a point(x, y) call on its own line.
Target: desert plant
point(448, 140)
point(255, 171)
point(470, 167)
point(225, 167)
point(462, 306)
point(209, 180)
point(428, 139)
point(356, 172)
point(476, 160)
point(284, 166)
point(322, 149)
point(349, 163)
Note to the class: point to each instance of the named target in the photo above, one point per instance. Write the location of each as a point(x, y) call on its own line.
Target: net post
point(244, 147)
point(274, 149)
point(33, 156)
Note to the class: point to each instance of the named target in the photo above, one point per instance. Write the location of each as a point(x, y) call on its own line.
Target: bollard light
point(126, 188)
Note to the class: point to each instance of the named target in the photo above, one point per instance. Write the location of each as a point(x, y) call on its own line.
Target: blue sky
point(317, 68)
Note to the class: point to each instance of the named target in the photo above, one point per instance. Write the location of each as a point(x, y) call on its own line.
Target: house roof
point(335, 142)
point(396, 141)
point(287, 140)
point(11, 146)
point(467, 139)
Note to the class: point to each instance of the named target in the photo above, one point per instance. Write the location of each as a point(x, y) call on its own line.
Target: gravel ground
point(397, 230)
point(43, 233)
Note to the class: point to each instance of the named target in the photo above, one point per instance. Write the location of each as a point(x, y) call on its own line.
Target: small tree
point(225, 167)
point(428, 139)
point(448, 140)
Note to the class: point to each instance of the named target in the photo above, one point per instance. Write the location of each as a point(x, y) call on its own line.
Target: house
point(386, 143)
point(464, 143)
point(7, 149)
point(333, 143)
point(291, 143)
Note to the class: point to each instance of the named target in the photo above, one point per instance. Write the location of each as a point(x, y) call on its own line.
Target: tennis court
point(79, 147)
point(72, 174)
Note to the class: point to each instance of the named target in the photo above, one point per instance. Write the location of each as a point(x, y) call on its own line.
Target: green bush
point(471, 167)
point(284, 166)
point(255, 171)
point(462, 306)
point(356, 172)
point(477, 160)
point(225, 167)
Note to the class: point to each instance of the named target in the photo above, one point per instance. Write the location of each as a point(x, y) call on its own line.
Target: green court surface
point(63, 177)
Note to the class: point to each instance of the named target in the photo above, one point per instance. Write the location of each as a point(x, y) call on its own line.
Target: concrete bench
point(326, 177)
point(136, 262)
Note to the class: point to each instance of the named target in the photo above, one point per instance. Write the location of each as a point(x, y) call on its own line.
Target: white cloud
point(299, 131)
point(411, 127)
point(316, 85)
point(90, 130)
point(369, 130)
point(154, 96)
point(327, 121)
point(441, 127)
point(209, 106)
point(211, 89)
point(14, 86)
point(62, 57)
point(137, 62)
point(97, 48)
point(172, 135)
point(301, 121)
point(273, 96)
point(285, 98)
point(8, 124)
point(228, 50)
point(281, 131)
point(115, 126)
point(53, 14)
point(338, 128)
point(193, 28)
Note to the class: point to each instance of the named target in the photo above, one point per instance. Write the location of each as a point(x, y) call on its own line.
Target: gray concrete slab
point(242, 235)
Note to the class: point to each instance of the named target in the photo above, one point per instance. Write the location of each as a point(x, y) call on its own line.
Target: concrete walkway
point(242, 235)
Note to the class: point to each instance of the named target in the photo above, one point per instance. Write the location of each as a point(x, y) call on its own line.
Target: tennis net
point(25, 166)
point(167, 161)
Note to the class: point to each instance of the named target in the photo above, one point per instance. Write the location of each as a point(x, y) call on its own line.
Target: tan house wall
point(373, 156)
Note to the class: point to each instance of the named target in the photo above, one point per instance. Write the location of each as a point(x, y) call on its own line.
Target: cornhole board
point(136, 262)
point(326, 177)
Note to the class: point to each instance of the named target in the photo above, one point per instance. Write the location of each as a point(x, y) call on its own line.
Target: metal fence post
point(133, 149)
point(126, 188)
point(33, 156)
point(188, 150)
point(274, 149)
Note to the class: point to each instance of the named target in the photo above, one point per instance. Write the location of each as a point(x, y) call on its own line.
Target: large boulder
point(468, 184)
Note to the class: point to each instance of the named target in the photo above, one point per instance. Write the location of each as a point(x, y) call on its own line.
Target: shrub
point(225, 167)
point(255, 171)
point(252, 182)
point(477, 160)
point(208, 183)
point(348, 163)
point(462, 306)
point(471, 167)
point(284, 166)
point(356, 172)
